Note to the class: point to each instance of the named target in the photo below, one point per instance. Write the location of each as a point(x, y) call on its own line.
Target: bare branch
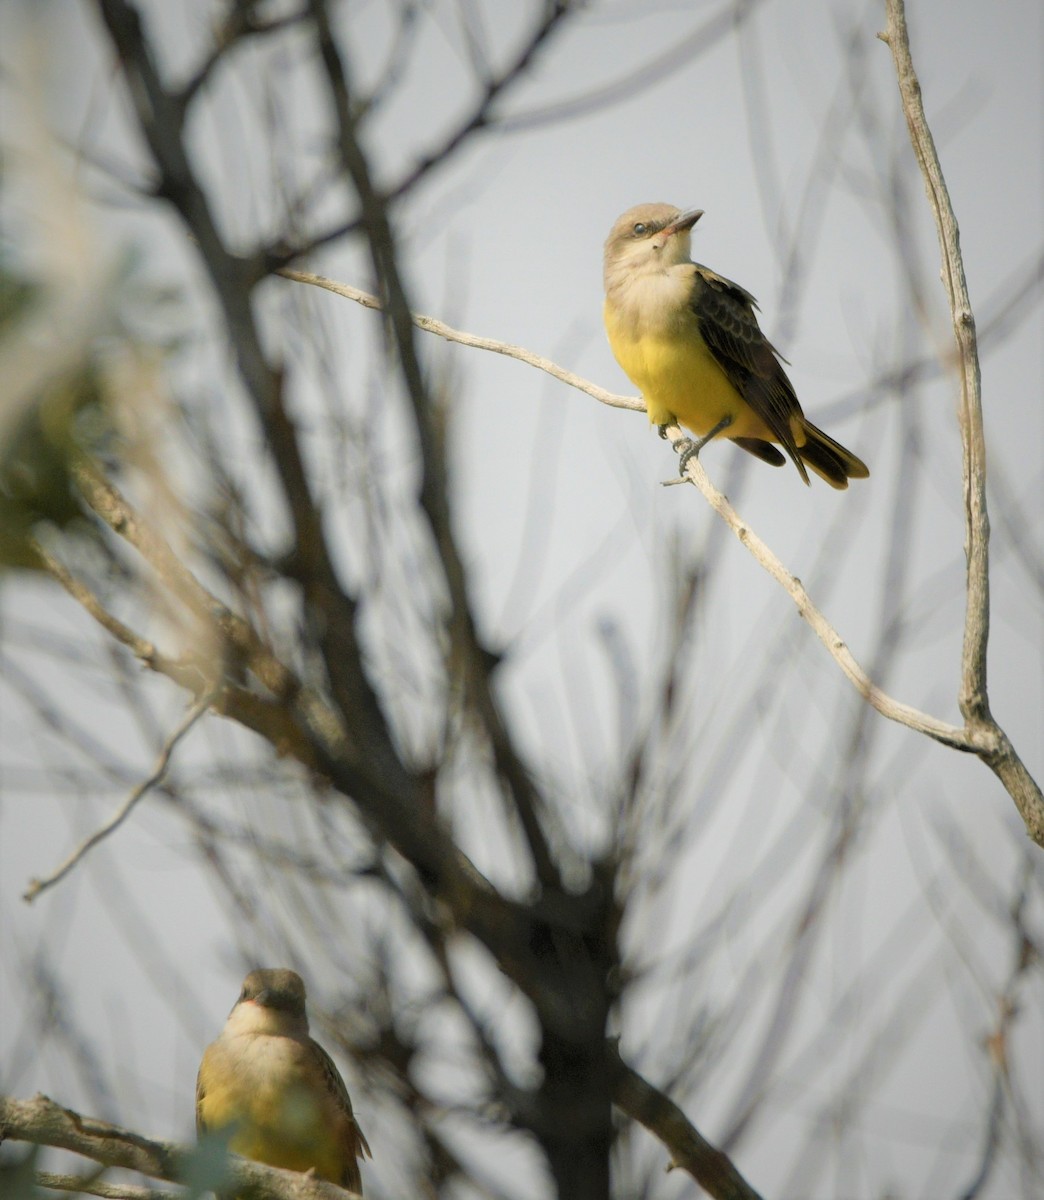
point(894, 710)
point(161, 120)
point(481, 116)
point(974, 699)
point(89, 1185)
point(467, 653)
point(690, 1151)
point(108, 503)
point(442, 330)
point(242, 22)
point(195, 711)
point(949, 735)
point(997, 752)
point(718, 26)
point(44, 1123)
point(981, 737)
point(270, 718)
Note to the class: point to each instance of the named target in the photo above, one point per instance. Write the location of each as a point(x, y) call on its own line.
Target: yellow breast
point(279, 1115)
point(678, 377)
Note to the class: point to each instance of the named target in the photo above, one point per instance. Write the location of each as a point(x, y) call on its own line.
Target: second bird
point(276, 1089)
point(689, 340)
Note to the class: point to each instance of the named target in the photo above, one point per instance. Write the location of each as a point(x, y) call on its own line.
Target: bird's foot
point(687, 451)
point(686, 448)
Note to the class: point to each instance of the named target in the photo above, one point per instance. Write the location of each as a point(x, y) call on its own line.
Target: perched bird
point(689, 340)
point(277, 1088)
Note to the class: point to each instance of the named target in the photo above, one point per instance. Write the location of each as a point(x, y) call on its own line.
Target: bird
point(276, 1088)
point(689, 339)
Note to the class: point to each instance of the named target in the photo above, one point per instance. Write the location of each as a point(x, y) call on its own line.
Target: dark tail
point(829, 459)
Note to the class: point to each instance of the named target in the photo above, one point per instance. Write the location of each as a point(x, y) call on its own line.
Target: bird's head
point(647, 239)
point(271, 1001)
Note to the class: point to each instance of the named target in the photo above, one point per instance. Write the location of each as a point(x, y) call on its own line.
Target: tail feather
point(829, 459)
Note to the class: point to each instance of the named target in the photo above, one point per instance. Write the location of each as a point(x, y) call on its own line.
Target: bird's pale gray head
point(649, 237)
point(279, 988)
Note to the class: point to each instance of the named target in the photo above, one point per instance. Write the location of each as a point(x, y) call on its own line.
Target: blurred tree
point(263, 510)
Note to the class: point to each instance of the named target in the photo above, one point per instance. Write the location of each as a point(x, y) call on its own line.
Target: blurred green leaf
point(17, 1176)
point(206, 1169)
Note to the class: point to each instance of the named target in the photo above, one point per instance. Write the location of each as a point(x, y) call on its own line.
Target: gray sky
point(559, 506)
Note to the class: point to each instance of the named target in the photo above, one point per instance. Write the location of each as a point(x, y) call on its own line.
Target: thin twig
point(442, 330)
point(481, 118)
point(194, 712)
point(974, 699)
point(948, 734)
point(894, 710)
point(989, 739)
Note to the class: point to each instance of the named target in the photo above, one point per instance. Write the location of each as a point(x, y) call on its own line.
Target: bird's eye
point(640, 228)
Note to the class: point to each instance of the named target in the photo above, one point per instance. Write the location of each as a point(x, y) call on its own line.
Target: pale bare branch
point(442, 330)
point(982, 731)
point(895, 710)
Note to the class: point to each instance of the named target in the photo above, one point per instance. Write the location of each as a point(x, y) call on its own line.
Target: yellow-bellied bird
point(277, 1088)
point(689, 340)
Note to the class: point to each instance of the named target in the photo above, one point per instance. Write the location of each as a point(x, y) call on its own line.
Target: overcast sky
point(558, 498)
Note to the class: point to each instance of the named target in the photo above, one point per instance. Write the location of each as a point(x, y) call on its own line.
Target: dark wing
point(355, 1140)
point(725, 313)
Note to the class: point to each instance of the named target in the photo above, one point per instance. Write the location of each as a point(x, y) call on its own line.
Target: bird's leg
point(693, 448)
point(683, 445)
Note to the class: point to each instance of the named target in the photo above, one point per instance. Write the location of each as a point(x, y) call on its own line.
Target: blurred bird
point(689, 340)
point(277, 1088)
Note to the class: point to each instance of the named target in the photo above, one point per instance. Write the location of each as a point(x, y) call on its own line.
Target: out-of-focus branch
point(577, 949)
point(466, 651)
point(1026, 957)
point(195, 711)
point(88, 1185)
point(480, 118)
point(996, 750)
point(713, 1170)
point(297, 720)
point(112, 507)
point(714, 29)
point(268, 717)
point(161, 120)
point(42, 1122)
point(242, 21)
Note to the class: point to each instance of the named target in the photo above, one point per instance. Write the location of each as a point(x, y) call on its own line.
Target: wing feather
point(355, 1140)
point(725, 314)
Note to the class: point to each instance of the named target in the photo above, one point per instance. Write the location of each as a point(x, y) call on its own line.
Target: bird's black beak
point(684, 222)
